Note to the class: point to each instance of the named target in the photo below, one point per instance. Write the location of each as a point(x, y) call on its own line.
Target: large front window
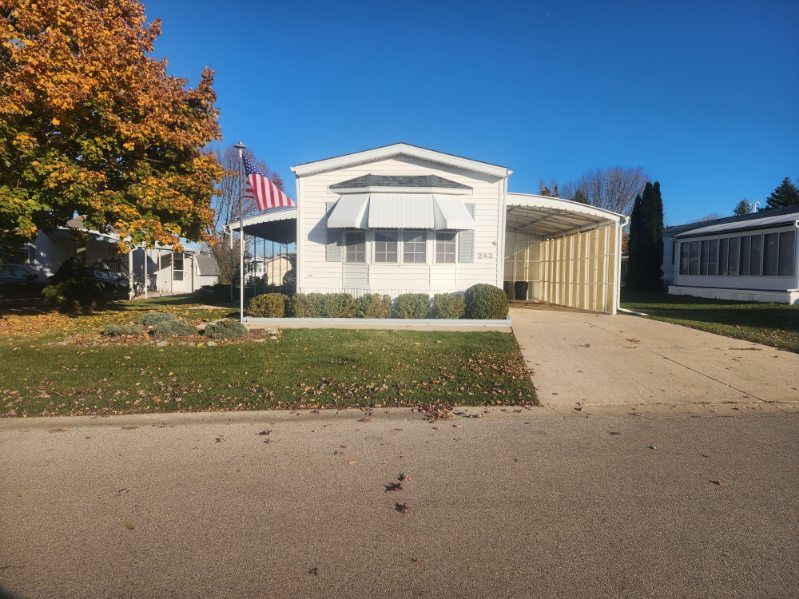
point(355, 242)
point(445, 247)
point(386, 246)
point(414, 250)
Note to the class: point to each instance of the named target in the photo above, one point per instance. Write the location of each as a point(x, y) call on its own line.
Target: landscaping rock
point(211, 344)
point(162, 343)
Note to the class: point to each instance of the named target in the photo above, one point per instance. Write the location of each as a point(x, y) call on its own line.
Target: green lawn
point(304, 368)
point(771, 324)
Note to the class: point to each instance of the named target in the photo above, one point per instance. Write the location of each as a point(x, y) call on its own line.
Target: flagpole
point(240, 147)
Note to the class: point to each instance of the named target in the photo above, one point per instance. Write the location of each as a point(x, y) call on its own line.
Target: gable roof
point(743, 218)
point(766, 219)
point(399, 149)
point(399, 181)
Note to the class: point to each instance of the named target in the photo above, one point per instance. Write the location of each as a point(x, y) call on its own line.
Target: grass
point(776, 325)
point(58, 365)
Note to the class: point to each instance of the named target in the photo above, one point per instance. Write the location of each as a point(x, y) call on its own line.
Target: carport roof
point(278, 225)
point(549, 217)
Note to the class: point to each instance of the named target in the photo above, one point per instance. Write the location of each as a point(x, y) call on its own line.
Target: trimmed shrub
point(306, 305)
point(448, 305)
point(270, 305)
point(120, 330)
point(225, 329)
point(153, 318)
point(338, 305)
point(174, 328)
point(73, 289)
point(412, 305)
point(373, 305)
point(486, 301)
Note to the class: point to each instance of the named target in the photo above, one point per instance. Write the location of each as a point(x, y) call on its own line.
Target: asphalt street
point(608, 501)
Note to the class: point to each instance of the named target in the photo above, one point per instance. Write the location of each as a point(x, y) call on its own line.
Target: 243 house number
point(485, 255)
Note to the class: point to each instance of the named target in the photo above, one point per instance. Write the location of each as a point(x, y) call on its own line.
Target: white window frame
point(416, 254)
point(382, 248)
point(348, 245)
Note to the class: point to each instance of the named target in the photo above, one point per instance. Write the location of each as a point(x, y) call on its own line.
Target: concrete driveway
point(629, 360)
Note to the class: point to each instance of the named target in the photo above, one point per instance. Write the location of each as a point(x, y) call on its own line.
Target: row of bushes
point(479, 301)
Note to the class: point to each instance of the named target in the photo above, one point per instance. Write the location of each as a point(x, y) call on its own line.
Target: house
point(752, 257)
point(271, 267)
point(406, 219)
point(167, 272)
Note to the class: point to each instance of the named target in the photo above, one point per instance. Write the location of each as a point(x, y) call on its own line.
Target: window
point(746, 245)
point(356, 246)
point(755, 255)
point(445, 246)
point(770, 255)
point(693, 261)
point(685, 253)
point(386, 243)
point(732, 257)
point(787, 253)
point(414, 247)
point(177, 267)
point(705, 257)
point(724, 248)
point(713, 260)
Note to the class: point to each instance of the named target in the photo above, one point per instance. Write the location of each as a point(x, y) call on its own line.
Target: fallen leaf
point(265, 432)
point(402, 508)
point(393, 487)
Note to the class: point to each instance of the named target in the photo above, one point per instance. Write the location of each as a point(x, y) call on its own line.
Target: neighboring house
point(166, 272)
point(752, 257)
point(273, 267)
point(401, 218)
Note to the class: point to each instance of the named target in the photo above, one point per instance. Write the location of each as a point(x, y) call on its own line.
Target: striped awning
point(400, 211)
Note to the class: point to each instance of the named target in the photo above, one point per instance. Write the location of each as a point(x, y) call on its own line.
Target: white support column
point(146, 280)
point(130, 273)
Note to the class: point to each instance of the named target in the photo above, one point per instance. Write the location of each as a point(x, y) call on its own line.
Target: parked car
point(115, 283)
point(20, 281)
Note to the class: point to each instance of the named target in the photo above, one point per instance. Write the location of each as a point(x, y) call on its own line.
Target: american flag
point(266, 194)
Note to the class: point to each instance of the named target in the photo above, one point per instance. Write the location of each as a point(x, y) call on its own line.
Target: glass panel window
point(355, 242)
point(770, 255)
point(685, 253)
point(705, 257)
point(445, 246)
point(386, 243)
point(732, 257)
point(787, 253)
point(693, 261)
point(724, 248)
point(177, 267)
point(713, 259)
point(414, 247)
point(746, 244)
point(755, 255)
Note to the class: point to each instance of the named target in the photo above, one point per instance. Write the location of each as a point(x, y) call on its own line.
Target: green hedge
point(412, 305)
point(338, 305)
point(373, 305)
point(270, 305)
point(448, 305)
point(486, 301)
point(306, 305)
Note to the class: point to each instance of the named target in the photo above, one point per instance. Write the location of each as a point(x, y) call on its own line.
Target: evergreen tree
point(579, 196)
point(785, 195)
point(645, 245)
point(743, 207)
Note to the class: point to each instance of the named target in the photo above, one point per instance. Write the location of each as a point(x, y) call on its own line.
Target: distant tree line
point(786, 194)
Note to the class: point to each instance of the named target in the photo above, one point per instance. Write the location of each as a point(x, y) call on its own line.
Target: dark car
point(114, 283)
point(20, 281)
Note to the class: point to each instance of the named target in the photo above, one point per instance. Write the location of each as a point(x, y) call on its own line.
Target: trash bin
point(520, 289)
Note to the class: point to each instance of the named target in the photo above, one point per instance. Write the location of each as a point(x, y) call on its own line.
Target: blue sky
point(703, 95)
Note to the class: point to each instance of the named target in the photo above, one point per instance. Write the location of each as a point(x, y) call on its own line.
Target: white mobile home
point(751, 257)
point(401, 218)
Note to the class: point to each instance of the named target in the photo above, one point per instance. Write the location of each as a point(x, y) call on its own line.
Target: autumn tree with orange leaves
point(91, 122)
